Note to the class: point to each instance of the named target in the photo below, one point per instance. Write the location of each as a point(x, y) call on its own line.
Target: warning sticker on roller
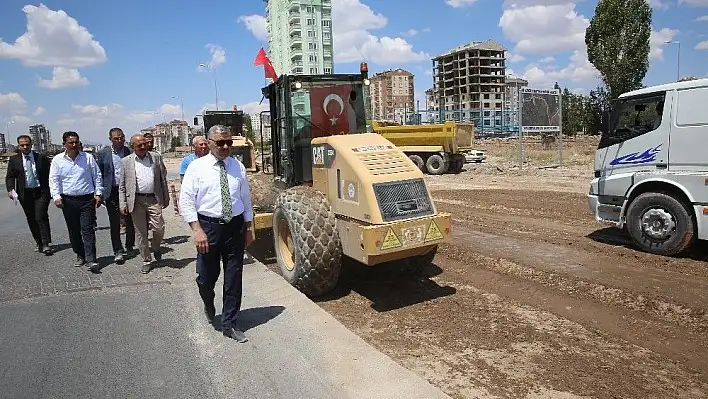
point(433, 233)
point(391, 240)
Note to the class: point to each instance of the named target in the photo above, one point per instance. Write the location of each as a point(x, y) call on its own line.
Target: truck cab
point(651, 170)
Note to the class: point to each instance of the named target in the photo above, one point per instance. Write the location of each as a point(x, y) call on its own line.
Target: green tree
point(248, 127)
point(596, 103)
point(176, 142)
point(617, 43)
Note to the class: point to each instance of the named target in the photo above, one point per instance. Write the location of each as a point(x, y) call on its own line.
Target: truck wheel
point(307, 245)
point(436, 165)
point(457, 164)
point(418, 161)
point(660, 223)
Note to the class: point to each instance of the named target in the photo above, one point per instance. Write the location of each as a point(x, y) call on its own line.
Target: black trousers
point(226, 244)
point(113, 209)
point(79, 214)
point(35, 203)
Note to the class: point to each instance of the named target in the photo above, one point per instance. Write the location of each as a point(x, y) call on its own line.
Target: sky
point(87, 65)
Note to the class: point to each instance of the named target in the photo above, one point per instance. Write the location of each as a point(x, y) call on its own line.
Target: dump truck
point(434, 148)
point(341, 190)
point(242, 148)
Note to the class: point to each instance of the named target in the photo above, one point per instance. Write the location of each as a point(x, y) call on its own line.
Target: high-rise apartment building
point(511, 101)
point(392, 95)
point(300, 36)
point(3, 144)
point(469, 84)
point(41, 138)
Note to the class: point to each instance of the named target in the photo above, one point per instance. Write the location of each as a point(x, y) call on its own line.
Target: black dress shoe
point(210, 312)
point(46, 250)
point(235, 334)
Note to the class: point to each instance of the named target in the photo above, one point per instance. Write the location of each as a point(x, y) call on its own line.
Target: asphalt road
point(67, 332)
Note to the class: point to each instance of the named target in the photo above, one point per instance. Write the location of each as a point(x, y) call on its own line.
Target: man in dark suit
point(28, 175)
point(109, 162)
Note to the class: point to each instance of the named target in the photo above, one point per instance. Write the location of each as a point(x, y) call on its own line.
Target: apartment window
point(310, 9)
point(311, 33)
point(313, 71)
point(312, 46)
point(310, 22)
point(327, 36)
point(313, 58)
point(326, 23)
point(486, 96)
point(328, 70)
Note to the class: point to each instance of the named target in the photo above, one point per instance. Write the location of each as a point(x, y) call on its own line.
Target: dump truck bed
point(452, 137)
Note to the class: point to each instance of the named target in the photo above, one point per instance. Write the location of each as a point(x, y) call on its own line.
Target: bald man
point(201, 148)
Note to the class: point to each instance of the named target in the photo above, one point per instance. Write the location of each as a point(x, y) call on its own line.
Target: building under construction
point(469, 85)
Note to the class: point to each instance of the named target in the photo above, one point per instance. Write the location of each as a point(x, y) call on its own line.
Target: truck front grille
point(403, 199)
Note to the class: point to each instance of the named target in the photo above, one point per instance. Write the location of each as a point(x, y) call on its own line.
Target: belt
point(214, 220)
point(83, 196)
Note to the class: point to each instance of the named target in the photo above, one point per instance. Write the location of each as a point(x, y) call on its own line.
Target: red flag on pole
point(262, 59)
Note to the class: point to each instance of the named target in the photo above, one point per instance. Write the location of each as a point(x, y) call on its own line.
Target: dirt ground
point(532, 298)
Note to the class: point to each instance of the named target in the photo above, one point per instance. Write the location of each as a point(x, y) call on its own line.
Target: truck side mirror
point(196, 121)
point(605, 122)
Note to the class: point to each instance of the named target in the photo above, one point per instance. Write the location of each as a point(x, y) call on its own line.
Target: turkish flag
point(262, 59)
point(330, 110)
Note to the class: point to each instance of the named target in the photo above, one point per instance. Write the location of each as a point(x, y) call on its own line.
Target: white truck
point(651, 167)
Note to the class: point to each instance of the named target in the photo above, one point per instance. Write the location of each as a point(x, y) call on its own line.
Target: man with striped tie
point(215, 201)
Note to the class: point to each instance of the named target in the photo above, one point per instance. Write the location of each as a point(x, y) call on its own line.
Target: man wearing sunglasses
point(215, 200)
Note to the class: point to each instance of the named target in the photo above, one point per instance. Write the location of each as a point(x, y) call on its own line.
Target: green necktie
point(225, 193)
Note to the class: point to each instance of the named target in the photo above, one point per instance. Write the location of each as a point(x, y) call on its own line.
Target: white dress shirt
point(79, 176)
point(201, 189)
point(144, 175)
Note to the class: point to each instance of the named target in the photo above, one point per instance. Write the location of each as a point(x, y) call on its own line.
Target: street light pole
point(216, 89)
point(678, 57)
point(181, 105)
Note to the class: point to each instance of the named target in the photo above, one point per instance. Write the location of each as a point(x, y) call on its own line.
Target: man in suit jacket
point(143, 194)
point(109, 162)
point(28, 175)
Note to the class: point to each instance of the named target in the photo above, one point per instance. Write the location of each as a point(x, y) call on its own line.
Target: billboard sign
point(540, 110)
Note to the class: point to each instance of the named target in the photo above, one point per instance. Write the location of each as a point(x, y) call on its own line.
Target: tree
point(176, 142)
point(597, 102)
point(248, 127)
point(617, 43)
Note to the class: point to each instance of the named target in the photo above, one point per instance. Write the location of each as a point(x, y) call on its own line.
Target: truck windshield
point(326, 109)
point(634, 117)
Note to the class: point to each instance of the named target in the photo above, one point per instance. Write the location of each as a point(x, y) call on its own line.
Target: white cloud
point(351, 23)
point(53, 38)
point(702, 45)
point(63, 78)
point(579, 70)
point(515, 57)
point(254, 107)
point(695, 3)
point(702, 19)
point(12, 103)
point(39, 111)
point(93, 122)
point(656, 42)
point(410, 33)
point(658, 4)
point(22, 120)
point(459, 3)
point(544, 29)
point(256, 24)
point(218, 55)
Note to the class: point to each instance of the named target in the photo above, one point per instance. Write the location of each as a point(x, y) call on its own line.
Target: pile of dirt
point(263, 191)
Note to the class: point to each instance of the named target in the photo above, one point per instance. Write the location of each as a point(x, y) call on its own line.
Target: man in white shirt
point(215, 200)
point(75, 186)
point(143, 194)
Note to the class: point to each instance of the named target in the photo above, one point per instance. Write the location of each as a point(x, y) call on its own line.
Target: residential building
point(41, 138)
point(3, 144)
point(392, 95)
point(469, 83)
point(511, 102)
point(179, 129)
point(300, 36)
